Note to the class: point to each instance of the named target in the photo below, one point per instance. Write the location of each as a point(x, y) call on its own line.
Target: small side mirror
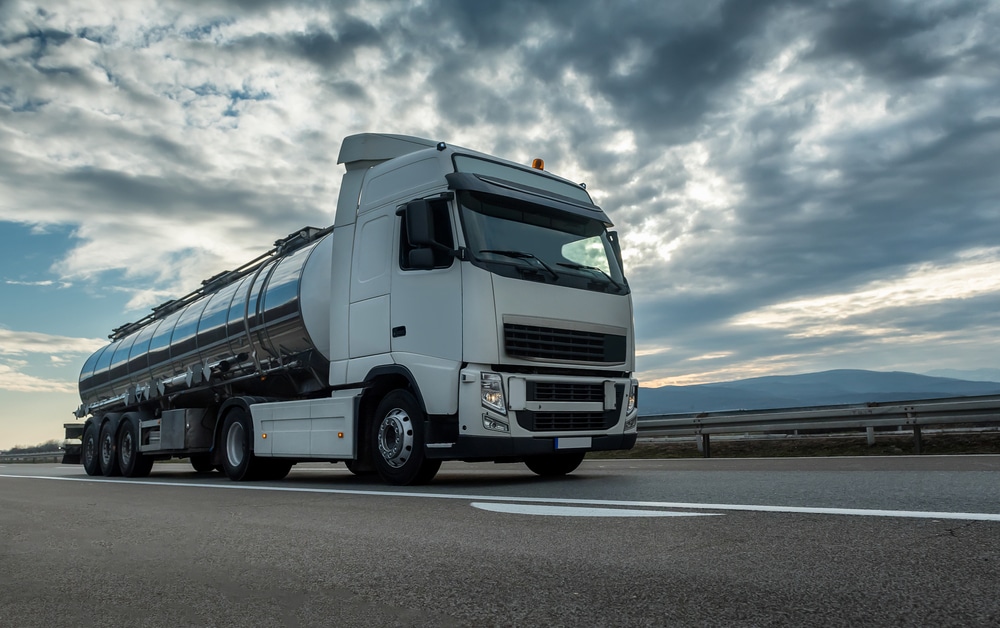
point(421, 259)
point(420, 223)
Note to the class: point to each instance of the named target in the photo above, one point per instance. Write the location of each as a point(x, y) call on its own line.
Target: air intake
point(562, 345)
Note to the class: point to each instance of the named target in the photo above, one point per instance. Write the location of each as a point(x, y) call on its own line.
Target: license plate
point(575, 442)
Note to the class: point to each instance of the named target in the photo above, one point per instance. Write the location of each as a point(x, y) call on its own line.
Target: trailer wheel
point(398, 441)
point(89, 453)
point(238, 460)
point(109, 452)
point(555, 464)
point(132, 463)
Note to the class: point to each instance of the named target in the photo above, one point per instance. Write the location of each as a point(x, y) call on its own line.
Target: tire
point(202, 463)
point(238, 460)
point(108, 453)
point(274, 469)
point(131, 462)
point(90, 451)
point(555, 464)
point(359, 468)
point(397, 439)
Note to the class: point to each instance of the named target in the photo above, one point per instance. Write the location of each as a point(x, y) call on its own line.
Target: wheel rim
point(395, 438)
point(126, 446)
point(234, 445)
point(90, 449)
point(106, 449)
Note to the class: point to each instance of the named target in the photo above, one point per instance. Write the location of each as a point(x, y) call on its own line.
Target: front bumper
point(472, 448)
point(510, 416)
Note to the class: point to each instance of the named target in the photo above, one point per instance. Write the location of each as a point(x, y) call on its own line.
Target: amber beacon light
point(538, 164)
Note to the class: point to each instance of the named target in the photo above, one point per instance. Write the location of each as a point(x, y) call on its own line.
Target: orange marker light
point(538, 164)
point(340, 434)
point(263, 436)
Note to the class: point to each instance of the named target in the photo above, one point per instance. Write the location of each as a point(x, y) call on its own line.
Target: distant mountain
point(974, 375)
point(811, 389)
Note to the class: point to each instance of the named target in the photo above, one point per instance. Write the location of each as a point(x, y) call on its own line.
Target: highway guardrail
point(903, 414)
point(45, 456)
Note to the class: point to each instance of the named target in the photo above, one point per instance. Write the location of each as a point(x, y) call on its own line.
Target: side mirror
point(420, 223)
point(421, 259)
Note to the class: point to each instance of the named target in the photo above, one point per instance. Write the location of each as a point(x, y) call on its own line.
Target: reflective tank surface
point(272, 316)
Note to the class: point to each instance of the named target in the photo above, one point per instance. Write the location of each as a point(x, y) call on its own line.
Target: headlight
point(630, 423)
point(633, 397)
point(491, 387)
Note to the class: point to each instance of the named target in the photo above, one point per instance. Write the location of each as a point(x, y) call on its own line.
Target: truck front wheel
point(238, 462)
point(398, 441)
point(90, 452)
point(275, 469)
point(555, 464)
point(202, 463)
point(360, 468)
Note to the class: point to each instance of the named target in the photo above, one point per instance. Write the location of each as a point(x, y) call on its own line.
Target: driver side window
point(442, 235)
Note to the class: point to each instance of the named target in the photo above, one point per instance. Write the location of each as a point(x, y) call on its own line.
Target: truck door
point(426, 304)
point(369, 313)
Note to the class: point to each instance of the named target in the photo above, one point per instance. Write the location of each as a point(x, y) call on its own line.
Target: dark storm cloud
point(323, 48)
point(898, 43)
point(20, 104)
point(891, 208)
point(183, 199)
point(42, 40)
point(887, 210)
point(682, 67)
point(125, 193)
point(840, 143)
point(669, 94)
point(351, 91)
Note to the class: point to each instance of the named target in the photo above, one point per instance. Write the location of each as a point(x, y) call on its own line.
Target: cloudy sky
point(799, 186)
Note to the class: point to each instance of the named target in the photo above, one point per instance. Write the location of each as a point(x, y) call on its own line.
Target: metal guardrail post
point(706, 446)
point(916, 439)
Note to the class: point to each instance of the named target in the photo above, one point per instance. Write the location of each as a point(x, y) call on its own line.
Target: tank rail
point(292, 242)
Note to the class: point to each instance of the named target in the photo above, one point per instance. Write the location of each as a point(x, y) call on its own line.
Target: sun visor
point(499, 187)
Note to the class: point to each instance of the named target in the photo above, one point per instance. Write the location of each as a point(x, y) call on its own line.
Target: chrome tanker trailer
point(246, 332)
point(461, 307)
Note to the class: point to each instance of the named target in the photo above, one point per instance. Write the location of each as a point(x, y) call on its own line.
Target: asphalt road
point(820, 542)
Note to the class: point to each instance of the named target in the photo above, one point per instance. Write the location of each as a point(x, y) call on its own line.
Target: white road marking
point(805, 510)
point(577, 511)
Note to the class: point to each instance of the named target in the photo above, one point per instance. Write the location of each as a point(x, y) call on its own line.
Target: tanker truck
point(461, 307)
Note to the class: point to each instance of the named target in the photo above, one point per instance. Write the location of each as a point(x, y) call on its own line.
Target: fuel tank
point(271, 315)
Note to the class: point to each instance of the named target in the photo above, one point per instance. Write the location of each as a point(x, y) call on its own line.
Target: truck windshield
point(517, 239)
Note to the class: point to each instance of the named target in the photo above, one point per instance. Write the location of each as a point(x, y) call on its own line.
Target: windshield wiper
point(614, 283)
point(522, 255)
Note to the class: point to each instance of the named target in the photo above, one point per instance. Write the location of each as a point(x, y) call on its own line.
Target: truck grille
point(567, 421)
point(563, 391)
point(550, 343)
